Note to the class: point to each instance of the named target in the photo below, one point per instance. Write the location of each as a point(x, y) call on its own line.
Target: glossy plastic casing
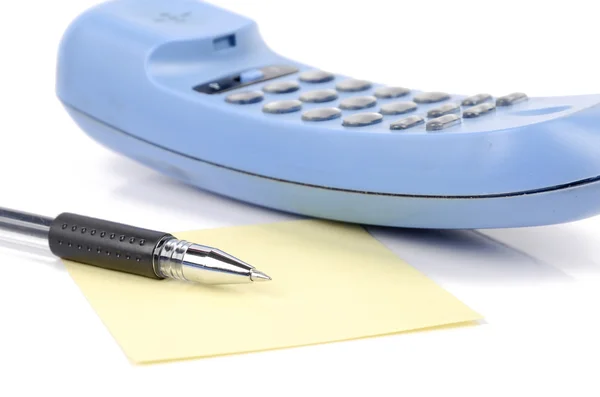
point(126, 72)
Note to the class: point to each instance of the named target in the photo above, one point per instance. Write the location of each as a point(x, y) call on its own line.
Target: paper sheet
point(331, 282)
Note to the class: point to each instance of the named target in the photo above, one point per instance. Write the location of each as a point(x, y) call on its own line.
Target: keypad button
point(396, 108)
point(431, 97)
point(443, 122)
point(245, 98)
point(282, 107)
point(443, 110)
point(353, 85)
point(406, 123)
point(362, 119)
point(390, 92)
point(479, 110)
point(321, 114)
point(476, 99)
point(511, 99)
point(319, 96)
point(358, 102)
point(316, 76)
point(281, 87)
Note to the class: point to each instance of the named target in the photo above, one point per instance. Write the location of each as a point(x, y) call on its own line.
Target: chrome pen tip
point(256, 275)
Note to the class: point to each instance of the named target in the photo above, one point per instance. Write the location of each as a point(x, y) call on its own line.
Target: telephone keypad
point(350, 95)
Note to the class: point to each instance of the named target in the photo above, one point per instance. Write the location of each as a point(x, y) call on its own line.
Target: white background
point(538, 287)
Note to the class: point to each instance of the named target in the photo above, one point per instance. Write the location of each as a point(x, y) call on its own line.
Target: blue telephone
point(193, 91)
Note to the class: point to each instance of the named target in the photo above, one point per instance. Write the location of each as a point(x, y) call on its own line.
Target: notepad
point(331, 282)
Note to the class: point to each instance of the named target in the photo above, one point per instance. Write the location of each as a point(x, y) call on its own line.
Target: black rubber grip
point(104, 244)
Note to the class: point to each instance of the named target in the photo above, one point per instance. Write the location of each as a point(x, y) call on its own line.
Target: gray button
point(511, 99)
point(395, 108)
point(319, 96)
point(362, 119)
point(282, 106)
point(443, 110)
point(443, 122)
point(479, 110)
point(321, 114)
point(391, 92)
point(406, 123)
point(358, 102)
point(476, 99)
point(245, 98)
point(353, 85)
point(316, 76)
point(281, 87)
point(431, 97)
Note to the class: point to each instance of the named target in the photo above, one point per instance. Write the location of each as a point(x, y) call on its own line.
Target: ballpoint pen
point(126, 248)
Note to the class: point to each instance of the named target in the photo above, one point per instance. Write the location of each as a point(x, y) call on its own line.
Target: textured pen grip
point(105, 244)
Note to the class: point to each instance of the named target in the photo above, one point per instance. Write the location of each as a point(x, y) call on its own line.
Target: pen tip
point(257, 275)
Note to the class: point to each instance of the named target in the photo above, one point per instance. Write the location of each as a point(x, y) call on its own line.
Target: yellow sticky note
point(331, 282)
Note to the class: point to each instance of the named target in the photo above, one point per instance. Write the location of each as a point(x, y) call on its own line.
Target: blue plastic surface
point(126, 72)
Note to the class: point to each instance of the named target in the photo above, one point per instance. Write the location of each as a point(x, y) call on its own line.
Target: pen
point(128, 249)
